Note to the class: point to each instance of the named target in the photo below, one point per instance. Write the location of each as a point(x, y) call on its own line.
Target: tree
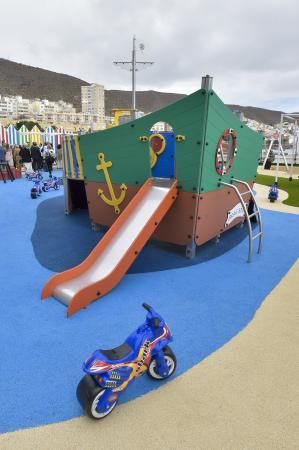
point(29, 124)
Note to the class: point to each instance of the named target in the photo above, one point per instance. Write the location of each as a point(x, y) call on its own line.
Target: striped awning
point(72, 158)
point(35, 135)
point(49, 136)
point(60, 133)
point(3, 135)
point(13, 135)
point(23, 135)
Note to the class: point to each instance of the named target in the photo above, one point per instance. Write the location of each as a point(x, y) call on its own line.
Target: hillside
point(146, 101)
point(259, 114)
point(32, 82)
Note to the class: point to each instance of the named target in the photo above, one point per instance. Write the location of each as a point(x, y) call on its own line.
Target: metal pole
point(133, 78)
point(207, 83)
point(279, 147)
point(294, 149)
point(284, 158)
point(268, 152)
point(133, 64)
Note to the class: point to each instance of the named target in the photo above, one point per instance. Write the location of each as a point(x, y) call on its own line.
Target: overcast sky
point(251, 48)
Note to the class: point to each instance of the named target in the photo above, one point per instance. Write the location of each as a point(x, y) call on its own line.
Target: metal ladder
point(248, 216)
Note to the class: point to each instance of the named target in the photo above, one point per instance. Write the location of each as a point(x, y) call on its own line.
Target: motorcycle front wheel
point(171, 363)
point(89, 394)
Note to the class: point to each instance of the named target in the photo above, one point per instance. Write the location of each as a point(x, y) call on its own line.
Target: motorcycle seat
point(118, 352)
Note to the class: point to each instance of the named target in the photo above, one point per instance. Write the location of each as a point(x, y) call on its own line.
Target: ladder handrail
point(258, 215)
point(247, 217)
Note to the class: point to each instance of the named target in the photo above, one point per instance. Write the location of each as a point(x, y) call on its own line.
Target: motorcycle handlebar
point(147, 307)
point(155, 321)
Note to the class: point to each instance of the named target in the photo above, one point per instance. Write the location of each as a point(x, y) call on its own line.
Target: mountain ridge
point(34, 82)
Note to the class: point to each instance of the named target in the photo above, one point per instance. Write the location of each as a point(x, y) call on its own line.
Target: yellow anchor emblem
point(113, 201)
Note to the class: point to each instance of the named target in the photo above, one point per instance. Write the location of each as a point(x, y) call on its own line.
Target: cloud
point(250, 48)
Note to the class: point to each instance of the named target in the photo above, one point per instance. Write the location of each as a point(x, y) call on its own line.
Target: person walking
point(42, 148)
point(37, 160)
point(8, 155)
point(16, 156)
point(6, 162)
point(49, 158)
point(2, 153)
point(59, 156)
point(26, 158)
point(270, 160)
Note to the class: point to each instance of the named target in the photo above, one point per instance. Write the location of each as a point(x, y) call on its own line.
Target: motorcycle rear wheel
point(92, 407)
point(170, 360)
point(89, 394)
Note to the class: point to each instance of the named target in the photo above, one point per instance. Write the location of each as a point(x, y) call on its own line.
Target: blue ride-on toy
point(51, 183)
point(36, 190)
point(273, 193)
point(110, 372)
point(34, 176)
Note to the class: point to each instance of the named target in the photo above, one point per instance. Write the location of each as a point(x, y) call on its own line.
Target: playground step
point(162, 182)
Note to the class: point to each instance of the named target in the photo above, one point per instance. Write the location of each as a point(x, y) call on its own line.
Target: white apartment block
point(161, 126)
point(17, 107)
point(93, 102)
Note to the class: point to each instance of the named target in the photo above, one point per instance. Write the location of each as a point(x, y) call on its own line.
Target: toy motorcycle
point(34, 176)
point(273, 193)
point(52, 183)
point(36, 190)
point(109, 372)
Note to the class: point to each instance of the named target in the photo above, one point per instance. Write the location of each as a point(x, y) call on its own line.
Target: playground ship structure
point(184, 186)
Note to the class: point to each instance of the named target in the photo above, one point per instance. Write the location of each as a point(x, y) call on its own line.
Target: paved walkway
point(281, 173)
point(263, 202)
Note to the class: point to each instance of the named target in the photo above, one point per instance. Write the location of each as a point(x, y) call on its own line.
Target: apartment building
point(59, 113)
point(93, 102)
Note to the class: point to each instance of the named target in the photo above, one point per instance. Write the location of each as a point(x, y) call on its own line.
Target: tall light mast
point(134, 66)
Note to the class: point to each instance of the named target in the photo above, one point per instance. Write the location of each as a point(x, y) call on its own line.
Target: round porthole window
point(226, 151)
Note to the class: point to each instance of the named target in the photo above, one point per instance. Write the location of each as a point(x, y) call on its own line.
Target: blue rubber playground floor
point(205, 302)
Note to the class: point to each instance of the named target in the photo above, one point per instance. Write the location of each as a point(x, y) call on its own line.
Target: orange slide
point(116, 251)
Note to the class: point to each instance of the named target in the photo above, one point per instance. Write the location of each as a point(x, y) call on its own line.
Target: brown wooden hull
point(193, 217)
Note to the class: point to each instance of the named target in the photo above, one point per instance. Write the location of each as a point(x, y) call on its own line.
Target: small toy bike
point(51, 183)
point(109, 372)
point(36, 190)
point(33, 176)
point(273, 193)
